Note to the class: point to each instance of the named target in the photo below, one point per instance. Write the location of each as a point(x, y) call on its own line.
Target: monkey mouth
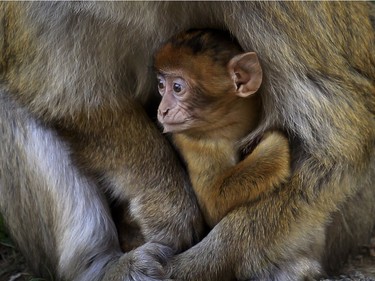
point(174, 127)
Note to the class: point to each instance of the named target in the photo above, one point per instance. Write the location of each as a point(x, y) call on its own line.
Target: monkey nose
point(163, 112)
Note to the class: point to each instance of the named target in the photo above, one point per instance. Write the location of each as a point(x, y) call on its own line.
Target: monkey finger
point(146, 263)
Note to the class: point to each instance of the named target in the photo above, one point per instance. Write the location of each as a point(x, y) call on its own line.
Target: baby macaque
point(209, 103)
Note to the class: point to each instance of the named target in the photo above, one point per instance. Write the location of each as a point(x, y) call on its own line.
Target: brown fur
point(220, 184)
point(206, 59)
point(71, 66)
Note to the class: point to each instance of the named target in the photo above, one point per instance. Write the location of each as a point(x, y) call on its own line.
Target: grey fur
point(68, 58)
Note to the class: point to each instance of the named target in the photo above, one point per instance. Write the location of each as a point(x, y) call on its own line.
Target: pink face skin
point(172, 112)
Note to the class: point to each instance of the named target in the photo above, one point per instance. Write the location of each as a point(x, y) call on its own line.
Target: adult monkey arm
point(320, 87)
point(49, 69)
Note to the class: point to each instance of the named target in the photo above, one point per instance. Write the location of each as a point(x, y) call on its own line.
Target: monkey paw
point(145, 263)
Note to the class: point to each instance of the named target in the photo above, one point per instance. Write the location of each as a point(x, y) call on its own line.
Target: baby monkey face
point(174, 112)
point(201, 76)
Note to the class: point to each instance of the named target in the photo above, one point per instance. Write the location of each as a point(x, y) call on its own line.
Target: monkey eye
point(177, 87)
point(161, 84)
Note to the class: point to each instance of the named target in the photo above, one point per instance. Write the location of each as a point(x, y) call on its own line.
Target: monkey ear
point(246, 73)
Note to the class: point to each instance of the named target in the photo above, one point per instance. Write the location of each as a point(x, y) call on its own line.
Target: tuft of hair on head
point(218, 45)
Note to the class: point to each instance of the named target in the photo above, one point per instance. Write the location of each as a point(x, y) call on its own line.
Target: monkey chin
point(171, 128)
point(174, 127)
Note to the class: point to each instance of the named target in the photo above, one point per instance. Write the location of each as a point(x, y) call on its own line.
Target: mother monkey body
point(75, 84)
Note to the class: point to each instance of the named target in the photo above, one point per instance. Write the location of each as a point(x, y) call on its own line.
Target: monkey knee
point(275, 138)
point(276, 145)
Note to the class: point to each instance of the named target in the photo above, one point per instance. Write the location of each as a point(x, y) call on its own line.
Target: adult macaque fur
point(75, 78)
point(210, 101)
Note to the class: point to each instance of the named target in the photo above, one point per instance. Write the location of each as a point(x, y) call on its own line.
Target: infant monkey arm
point(259, 173)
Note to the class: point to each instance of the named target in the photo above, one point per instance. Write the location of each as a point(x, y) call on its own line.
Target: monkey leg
point(56, 216)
